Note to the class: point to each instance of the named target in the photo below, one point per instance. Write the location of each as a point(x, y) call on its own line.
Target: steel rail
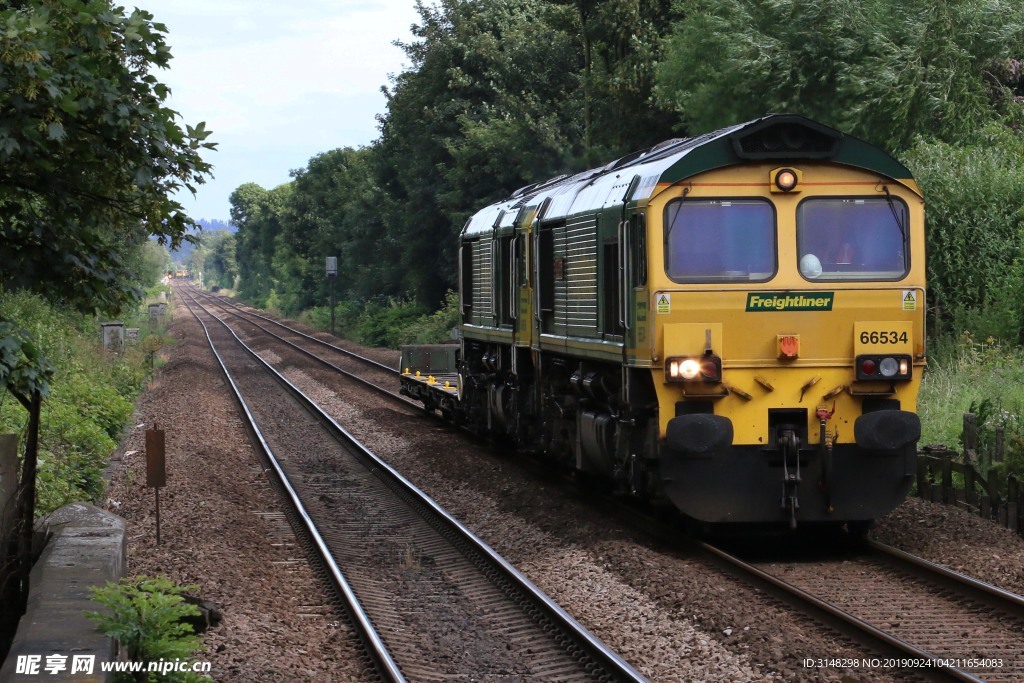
point(307, 352)
point(882, 640)
point(971, 588)
point(601, 653)
point(352, 354)
point(386, 664)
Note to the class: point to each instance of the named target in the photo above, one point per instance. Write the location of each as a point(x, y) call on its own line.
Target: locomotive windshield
point(720, 240)
point(852, 239)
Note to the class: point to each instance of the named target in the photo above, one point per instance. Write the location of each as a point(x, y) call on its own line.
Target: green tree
point(487, 105)
point(148, 263)
point(333, 210)
point(89, 153)
point(936, 82)
point(221, 263)
point(215, 258)
point(257, 213)
point(502, 94)
point(621, 44)
point(884, 72)
point(498, 95)
point(975, 236)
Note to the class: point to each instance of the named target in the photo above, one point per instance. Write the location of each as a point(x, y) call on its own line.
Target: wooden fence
point(994, 498)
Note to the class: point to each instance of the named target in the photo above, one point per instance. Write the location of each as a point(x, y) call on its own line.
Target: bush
point(273, 304)
point(382, 325)
point(388, 322)
point(966, 375)
point(1013, 459)
point(975, 231)
point(91, 399)
point(146, 619)
point(433, 328)
point(346, 318)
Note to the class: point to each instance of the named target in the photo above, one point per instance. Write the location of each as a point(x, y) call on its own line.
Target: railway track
point(371, 373)
point(917, 616)
point(432, 601)
point(927, 635)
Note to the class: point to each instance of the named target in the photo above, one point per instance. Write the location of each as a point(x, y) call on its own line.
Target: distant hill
point(182, 253)
point(212, 224)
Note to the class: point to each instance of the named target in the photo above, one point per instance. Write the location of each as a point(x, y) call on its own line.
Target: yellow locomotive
point(733, 323)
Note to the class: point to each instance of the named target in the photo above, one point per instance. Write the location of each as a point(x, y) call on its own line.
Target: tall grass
point(91, 398)
point(962, 374)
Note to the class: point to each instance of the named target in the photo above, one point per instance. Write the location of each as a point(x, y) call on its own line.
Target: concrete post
point(113, 336)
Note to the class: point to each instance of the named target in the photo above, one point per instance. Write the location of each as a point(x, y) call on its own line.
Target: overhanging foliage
point(89, 153)
point(880, 70)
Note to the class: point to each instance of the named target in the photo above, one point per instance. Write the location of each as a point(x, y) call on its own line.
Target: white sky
point(277, 82)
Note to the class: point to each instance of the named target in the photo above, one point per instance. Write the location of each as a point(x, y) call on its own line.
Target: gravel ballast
point(667, 613)
point(223, 529)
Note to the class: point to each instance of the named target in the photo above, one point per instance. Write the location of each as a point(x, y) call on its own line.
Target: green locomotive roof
point(783, 137)
point(775, 137)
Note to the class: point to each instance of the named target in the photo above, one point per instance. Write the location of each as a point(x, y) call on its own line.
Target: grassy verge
point(91, 399)
point(979, 376)
point(966, 373)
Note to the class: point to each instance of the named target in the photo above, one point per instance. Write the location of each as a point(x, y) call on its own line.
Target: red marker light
point(709, 369)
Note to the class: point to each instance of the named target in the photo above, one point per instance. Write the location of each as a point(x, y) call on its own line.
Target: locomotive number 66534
point(732, 324)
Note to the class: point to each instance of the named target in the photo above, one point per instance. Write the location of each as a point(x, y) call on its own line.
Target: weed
point(411, 558)
point(145, 617)
point(91, 399)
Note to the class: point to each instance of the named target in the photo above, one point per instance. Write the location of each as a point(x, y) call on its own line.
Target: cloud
point(278, 82)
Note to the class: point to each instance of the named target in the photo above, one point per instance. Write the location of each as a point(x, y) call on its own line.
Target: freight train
point(732, 324)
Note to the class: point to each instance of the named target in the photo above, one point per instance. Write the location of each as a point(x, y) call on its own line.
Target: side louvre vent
point(576, 290)
point(483, 283)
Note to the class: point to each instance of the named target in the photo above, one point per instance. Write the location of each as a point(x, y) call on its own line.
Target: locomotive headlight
point(689, 369)
point(702, 369)
point(883, 367)
point(683, 368)
point(786, 180)
point(888, 367)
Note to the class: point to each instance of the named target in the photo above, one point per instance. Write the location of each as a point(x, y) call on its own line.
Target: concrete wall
point(87, 549)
